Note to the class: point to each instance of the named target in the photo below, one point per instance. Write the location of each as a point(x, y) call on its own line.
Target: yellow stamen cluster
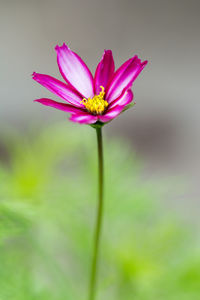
point(97, 104)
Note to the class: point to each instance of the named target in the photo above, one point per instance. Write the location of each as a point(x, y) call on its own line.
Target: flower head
point(89, 99)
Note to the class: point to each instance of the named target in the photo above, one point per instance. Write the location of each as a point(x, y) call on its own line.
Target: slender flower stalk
point(93, 100)
point(94, 268)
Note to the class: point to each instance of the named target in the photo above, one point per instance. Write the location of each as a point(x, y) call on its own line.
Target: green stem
point(93, 279)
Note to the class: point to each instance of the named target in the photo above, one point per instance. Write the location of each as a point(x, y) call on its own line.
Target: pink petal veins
point(75, 71)
point(58, 105)
point(59, 88)
point(124, 77)
point(84, 118)
point(123, 100)
point(111, 114)
point(104, 71)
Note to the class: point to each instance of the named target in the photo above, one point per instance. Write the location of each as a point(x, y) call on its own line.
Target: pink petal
point(111, 113)
point(75, 71)
point(59, 88)
point(84, 118)
point(104, 71)
point(124, 77)
point(58, 105)
point(123, 100)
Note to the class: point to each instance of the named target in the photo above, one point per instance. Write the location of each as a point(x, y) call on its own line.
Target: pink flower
point(89, 99)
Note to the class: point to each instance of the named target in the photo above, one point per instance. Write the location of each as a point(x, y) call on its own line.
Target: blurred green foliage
point(47, 210)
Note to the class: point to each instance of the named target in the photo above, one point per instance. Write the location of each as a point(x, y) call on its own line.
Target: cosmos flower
point(90, 99)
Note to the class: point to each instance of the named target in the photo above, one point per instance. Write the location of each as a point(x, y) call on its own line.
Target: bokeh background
point(160, 136)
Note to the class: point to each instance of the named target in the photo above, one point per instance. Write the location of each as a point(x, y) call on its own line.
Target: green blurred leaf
point(47, 212)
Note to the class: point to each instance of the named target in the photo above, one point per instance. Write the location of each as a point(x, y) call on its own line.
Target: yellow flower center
point(97, 104)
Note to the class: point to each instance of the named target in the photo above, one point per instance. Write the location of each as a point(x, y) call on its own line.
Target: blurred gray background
point(164, 125)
